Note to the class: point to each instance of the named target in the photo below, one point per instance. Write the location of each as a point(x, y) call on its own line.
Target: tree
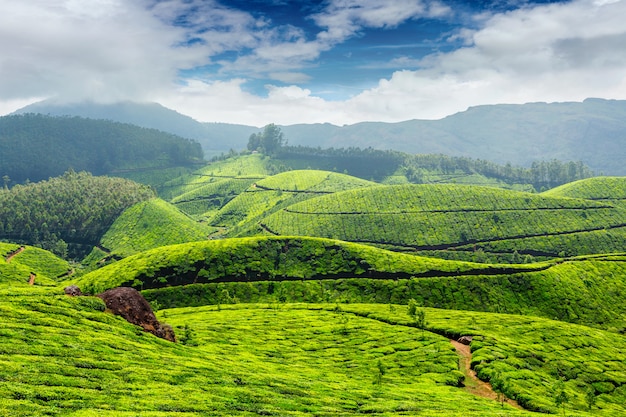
point(268, 141)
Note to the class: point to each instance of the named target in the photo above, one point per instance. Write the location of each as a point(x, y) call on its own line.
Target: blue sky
point(290, 61)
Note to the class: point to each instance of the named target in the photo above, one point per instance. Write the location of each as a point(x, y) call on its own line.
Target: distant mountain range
point(593, 131)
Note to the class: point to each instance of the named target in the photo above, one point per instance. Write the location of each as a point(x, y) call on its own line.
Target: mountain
point(214, 137)
point(593, 131)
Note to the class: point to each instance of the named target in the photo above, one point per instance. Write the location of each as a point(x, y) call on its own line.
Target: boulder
point(73, 291)
point(465, 340)
point(130, 304)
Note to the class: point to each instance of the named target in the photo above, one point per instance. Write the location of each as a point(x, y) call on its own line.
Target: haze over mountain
point(593, 131)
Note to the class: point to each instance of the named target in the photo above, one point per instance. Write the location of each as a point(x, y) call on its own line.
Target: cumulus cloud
point(115, 49)
point(105, 49)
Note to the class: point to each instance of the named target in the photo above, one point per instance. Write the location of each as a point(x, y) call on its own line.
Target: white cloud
point(108, 49)
point(345, 18)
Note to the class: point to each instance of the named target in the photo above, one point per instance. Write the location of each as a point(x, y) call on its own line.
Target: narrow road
point(472, 384)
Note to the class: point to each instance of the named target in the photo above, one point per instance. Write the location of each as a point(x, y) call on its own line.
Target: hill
point(290, 268)
point(75, 209)
point(270, 258)
point(214, 137)
point(610, 189)
point(456, 219)
point(151, 224)
point(592, 131)
point(272, 193)
point(35, 147)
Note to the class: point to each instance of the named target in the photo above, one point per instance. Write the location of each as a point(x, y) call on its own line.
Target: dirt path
point(14, 253)
point(472, 383)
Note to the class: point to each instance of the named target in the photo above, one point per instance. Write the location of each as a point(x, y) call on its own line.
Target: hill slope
point(151, 224)
point(64, 356)
point(454, 217)
point(76, 208)
point(35, 147)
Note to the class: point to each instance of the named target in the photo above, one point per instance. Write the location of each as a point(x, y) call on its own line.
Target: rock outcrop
point(130, 304)
point(465, 340)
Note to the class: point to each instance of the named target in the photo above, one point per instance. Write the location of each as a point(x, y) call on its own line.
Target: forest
point(34, 147)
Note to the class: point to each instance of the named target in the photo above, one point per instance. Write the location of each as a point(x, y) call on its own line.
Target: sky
point(256, 62)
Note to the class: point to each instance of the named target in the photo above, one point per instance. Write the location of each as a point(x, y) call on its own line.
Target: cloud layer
point(199, 57)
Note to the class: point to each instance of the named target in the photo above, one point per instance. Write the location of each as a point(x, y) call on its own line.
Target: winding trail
point(14, 253)
point(472, 384)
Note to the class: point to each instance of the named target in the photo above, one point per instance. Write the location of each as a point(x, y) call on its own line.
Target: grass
point(581, 291)
point(46, 266)
point(529, 356)
point(278, 191)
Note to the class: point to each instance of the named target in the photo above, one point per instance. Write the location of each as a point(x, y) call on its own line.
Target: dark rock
point(465, 340)
point(73, 291)
point(130, 304)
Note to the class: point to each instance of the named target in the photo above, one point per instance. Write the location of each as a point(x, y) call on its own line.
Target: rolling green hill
point(456, 218)
point(269, 258)
point(203, 192)
point(64, 356)
point(262, 269)
point(610, 189)
point(151, 224)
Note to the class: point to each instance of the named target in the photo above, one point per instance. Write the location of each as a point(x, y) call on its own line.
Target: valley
point(299, 289)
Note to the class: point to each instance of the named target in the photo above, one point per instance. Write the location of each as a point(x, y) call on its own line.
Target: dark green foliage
point(35, 147)
point(269, 141)
point(76, 208)
point(379, 164)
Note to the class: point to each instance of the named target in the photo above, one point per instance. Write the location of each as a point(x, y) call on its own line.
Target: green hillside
point(611, 189)
point(456, 218)
point(290, 269)
point(35, 147)
point(64, 356)
point(269, 258)
point(203, 192)
point(272, 193)
point(151, 224)
point(19, 263)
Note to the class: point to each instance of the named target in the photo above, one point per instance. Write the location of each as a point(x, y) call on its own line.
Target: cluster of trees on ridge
point(377, 164)
point(70, 212)
point(36, 147)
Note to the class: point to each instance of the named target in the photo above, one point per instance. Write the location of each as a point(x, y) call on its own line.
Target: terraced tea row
point(427, 217)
